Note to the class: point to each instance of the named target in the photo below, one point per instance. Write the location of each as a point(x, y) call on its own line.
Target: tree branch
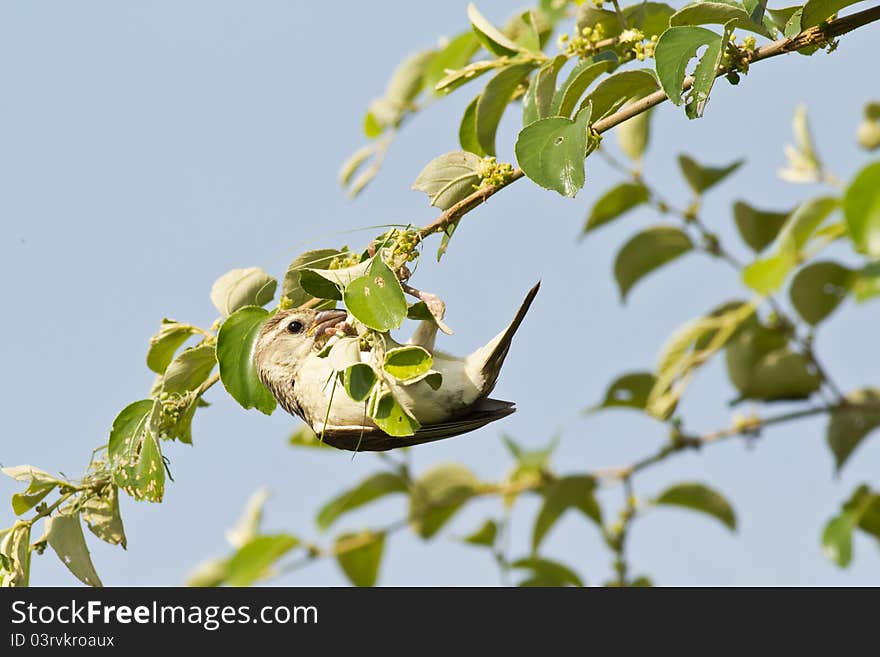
point(814, 36)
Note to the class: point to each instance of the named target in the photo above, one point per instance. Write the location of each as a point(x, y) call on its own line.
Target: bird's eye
point(295, 326)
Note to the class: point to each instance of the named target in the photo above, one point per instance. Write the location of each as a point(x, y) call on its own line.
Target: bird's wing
point(372, 439)
point(485, 363)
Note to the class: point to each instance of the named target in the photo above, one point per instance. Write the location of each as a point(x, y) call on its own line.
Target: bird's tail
point(491, 357)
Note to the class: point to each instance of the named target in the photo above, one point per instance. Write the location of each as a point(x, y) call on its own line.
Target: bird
point(286, 357)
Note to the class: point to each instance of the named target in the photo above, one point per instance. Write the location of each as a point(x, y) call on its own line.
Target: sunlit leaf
point(255, 559)
point(409, 362)
point(490, 36)
point(816, 11)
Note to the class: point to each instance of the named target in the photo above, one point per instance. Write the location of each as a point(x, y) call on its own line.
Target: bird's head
point(288, 337)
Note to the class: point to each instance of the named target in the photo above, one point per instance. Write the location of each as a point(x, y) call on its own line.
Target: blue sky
point(147, 148)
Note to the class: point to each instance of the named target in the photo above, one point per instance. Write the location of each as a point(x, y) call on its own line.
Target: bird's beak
point(327, 319)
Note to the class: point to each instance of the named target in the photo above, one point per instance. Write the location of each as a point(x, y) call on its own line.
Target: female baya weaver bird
point(288, 363)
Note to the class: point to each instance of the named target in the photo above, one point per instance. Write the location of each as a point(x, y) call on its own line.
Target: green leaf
point(868, 133)
point(236, 343)
point(572, 492)
point(376, 300)
point(585, 72)
point(454, 79)
point(804, 165)
point(211, 572)
point(647, 251)
point(317, 286)
point(767, 274)
point(490, 36)
point(717, 13)
point(861, 511)
point(485, 535)
point(64, 534)
point(819, 288)
point(551, 152)
point(438, 495)
point(762, 366)
point(467, 135)
point(650, 17)
point(706, 72)
point(861, 207)
point(248, 525)
point(816, 11)
point(538, 99)
point(358, 381)
point(633, 135)
point(779, 18)
point(867, 282)
point(615, 90)
point(405, 84)
point(700, 497)
point(393, 418)
point(242, 287)
point(849, 425)
point(143, 474)
point(361, 564)
point(525, 32)
point(40, 484)
point(128, 429)
point(101, 515)
point(409, 362)
point(758, 228)
point(689, 347)
point(291, 288)
point(700, 178)
point(15, 555)
point(165, 343)
point(494, 100)
point(353, 164)
point(449, 178)
point(305, 437)
point(675, 48)
point(631, 391)
point(454, 55)
point(190, 369)
point(254, 560)
point(547, 573)
point(837, 539)
point(372, 488)
point(616, 202)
